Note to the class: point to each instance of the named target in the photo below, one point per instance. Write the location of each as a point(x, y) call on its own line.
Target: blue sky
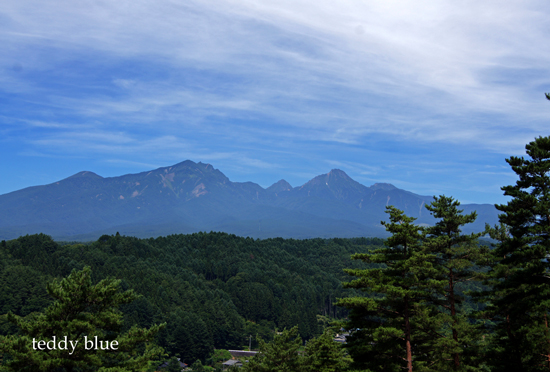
point(429, 96)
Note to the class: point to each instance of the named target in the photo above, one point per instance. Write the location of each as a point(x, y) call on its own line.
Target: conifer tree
point(81, 311)
point(279, 355)
point(384, 333)
point(503, 352)
point(524, 301)
point(454, 256)
point(323, 354)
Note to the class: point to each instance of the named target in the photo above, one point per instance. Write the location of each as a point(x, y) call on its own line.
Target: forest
point(428, 298)
point(213, 290)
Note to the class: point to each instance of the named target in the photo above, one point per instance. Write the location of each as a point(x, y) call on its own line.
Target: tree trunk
point(453, 314)
point(408, 335)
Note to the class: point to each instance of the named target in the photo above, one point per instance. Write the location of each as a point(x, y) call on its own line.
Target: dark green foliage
point(218, 357)
point(503, 350)
point(173, 365)
point(80, 311)
point(521, 301)
point(383, 329)
point(284, 354)
point(213, 290)
point(413, 317)
point(198, 367)
point(279, 355)
point(188, 337)
point(454, 256)
point(22, 291)
point(323, 354)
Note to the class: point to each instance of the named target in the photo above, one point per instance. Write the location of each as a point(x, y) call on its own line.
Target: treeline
point(213, 290)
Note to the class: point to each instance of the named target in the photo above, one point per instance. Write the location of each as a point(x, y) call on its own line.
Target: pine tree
point(454, 256)
point(524, 301)
point(383, 324)
point(503, 352)
point(279, 355)
point(323, 354)
point(81, 311)
point(198, 366)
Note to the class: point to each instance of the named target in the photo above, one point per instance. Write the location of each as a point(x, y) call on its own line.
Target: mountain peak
point(85, 174)
point(335, 185)
point(279, 186)
point(336, 178)
point(185, 163)
point(338, 172)
point(190, 167)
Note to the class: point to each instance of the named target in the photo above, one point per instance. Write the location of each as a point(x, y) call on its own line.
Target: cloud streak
point(268, 83)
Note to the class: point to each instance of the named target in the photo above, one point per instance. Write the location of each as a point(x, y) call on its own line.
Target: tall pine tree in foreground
point(384, 335)
point(503, 352)
point(454, 257)
point(523, 335)
point(80, 310)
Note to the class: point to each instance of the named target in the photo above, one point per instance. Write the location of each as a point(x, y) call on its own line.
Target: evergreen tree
point(173, 365)
point(81, 312)
point(323, 354)
point(279, 355)
point(524, 270)
point(218, 357)
point(187, 337)
point(503, 352)
point(384, 332)
point(198, 366)
point(453, 256)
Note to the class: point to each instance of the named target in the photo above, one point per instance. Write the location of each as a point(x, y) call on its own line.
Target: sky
point(429, 96)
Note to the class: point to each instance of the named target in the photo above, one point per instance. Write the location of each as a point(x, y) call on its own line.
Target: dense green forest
point(213, 290)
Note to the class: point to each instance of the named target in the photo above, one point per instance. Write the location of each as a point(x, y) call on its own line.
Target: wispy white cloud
point(267, 82)
point(433, 56)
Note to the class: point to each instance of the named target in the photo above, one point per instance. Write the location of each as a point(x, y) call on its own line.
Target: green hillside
point(212, 289)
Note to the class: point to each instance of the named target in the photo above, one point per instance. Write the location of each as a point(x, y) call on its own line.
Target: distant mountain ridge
point(189, 197)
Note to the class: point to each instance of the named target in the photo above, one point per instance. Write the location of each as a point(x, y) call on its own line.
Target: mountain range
point(190, 197)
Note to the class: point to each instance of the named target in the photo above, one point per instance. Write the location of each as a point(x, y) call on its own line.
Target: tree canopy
point(520, 301)
point(412, 317)
point(79, 331)
point(212, 289)
point(382, 334)
point(282, 354)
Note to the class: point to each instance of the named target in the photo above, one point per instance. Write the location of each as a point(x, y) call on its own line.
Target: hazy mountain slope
point(189, 197)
